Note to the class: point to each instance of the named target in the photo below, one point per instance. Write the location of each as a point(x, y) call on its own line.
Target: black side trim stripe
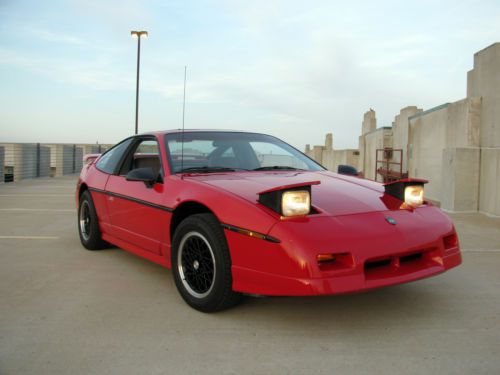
point(139, 201)
point(232, 228)
point(250, 233)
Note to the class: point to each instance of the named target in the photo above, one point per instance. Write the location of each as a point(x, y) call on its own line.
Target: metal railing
point(20, 161)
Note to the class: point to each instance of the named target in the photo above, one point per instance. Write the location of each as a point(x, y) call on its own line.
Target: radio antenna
point(183, 117)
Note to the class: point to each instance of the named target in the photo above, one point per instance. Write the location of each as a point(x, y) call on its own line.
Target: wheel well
point(83, 188)
point(185, 210)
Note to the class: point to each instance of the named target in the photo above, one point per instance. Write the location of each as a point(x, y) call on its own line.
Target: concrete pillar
point(308, 149)
point(484, 81)
point(369, 122)
point(57, 159)
point(317, 154)
point(361, 149)
point(489, 191)
point(329, 141)
point(17, 152)
point(400, 132)
point(460, 182)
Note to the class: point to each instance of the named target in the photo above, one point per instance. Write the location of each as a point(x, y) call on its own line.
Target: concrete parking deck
point(65, 310)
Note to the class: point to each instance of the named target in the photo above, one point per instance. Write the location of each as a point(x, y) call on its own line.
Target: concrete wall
point(368, 125)
point(31, 160)
point(2, 159)
point(463, 123)
point(72, 159)
point(456, 146)
point(400, 134)
point(426, 141)
point(434, 131)
point(489, 187)
point(484, 81)
point(330, 158)
point(460, 181)
point(377, 139)
point(35, 161)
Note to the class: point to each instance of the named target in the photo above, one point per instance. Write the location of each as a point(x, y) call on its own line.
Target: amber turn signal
point(326, 258)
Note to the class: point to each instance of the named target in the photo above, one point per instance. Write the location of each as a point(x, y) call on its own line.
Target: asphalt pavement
point(66, 310)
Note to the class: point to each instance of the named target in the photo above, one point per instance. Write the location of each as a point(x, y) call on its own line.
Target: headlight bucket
point(290, 200)
point(410, 191)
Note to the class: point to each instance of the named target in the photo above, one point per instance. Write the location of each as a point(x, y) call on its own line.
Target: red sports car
point(236, 212)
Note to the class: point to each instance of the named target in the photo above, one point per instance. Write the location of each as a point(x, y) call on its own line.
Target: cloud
point(50, 36)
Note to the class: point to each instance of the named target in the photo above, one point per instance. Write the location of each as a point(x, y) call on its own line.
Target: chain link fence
point(20, 161)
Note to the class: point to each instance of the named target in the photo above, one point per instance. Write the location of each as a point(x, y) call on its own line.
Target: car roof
point(163, 132)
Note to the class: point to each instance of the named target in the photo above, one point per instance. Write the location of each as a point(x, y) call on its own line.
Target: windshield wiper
point(277, 168)
point(207, 169)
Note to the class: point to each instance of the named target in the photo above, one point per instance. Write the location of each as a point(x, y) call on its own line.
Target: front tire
point(201, 264)
point(88, 224)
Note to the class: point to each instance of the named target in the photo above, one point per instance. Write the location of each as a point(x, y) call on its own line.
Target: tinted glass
point(209, 151)
point(144, 154)
point(109, 161)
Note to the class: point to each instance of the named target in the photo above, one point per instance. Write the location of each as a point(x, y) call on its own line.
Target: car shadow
point(409, 304)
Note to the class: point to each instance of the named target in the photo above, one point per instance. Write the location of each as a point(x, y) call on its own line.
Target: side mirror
point(145, 175)
point(348, 170)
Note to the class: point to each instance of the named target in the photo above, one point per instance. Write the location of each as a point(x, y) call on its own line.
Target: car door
point(105, 166)
point(136, 210)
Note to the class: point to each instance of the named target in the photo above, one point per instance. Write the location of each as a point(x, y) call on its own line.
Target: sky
point(293, 69)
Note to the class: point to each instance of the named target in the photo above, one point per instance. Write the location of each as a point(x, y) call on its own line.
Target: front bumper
point(381, 254)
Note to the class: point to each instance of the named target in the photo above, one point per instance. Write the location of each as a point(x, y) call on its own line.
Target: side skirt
point(155, 258)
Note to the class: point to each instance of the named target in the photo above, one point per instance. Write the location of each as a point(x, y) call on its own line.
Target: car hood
point(335, 195)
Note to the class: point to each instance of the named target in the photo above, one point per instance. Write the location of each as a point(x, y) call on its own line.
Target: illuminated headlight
point(296, 203)
point(414, 195)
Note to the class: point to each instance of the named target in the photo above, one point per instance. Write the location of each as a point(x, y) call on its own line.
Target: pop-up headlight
point(414, 195)
point(290, 200)
point(296, 203)
point(410, 191)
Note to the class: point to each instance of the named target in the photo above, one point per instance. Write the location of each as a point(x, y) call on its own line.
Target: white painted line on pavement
point(37, 210)
point(6, 187)
point(29, 238)
point(36, 195)
point(481, 250)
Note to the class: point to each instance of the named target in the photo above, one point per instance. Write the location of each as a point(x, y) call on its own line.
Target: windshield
point(206, 152)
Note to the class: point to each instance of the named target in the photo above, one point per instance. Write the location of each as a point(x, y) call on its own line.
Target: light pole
point(138, 35)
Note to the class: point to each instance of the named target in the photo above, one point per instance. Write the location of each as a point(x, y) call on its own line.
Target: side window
point(109, 161)
point(146, 154)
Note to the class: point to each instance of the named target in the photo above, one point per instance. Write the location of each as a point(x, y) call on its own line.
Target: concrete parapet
point(317, 154)
point(377, 139)
point(484, 81)
point(426, 141)
point(25, 161)
point(463, 123)
point(329, 142)
point(460, 183)
point(489, 188)
point(369, 122)
point(35, 161)
point(361, 157)
point(400, 132)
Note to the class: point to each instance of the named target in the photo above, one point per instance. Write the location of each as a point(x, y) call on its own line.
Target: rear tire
point(201, 264)
point(88, 224)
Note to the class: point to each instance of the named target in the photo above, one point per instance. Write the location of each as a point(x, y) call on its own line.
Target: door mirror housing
point(145, 175)
point(347, 170)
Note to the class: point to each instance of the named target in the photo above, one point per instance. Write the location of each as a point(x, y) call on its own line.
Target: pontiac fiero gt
point(236, 213)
